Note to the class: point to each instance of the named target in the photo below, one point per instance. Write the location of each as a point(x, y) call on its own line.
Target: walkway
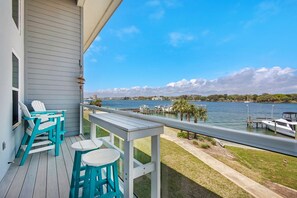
point(250, 186)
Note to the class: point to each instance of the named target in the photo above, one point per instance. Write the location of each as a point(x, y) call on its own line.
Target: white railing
point(271, 143)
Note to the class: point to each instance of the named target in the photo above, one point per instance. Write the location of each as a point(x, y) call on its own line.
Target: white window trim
point(18, 27)
point(18, 90)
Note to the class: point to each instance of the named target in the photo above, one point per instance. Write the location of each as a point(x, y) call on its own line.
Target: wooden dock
point(256, 123)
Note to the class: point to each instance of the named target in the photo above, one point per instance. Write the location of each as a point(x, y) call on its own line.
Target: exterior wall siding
point(52, 54)
point(11, 40)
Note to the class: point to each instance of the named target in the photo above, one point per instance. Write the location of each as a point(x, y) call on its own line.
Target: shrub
point(182, 135)
point(195, 143)
point(208, 138)
point(213, 142)
point(204, 146)
point(200, 138)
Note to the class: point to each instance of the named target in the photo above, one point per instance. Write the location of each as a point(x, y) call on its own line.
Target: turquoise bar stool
point(96, 183)
point(80, 148)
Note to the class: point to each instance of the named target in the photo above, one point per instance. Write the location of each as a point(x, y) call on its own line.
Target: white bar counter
point(129, 129)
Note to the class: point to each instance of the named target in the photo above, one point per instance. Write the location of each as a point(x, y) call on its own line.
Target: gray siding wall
point(52, 54)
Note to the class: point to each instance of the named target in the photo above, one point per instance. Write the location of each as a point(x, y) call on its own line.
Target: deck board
point(71, 151)
point(40, 182)
point(17, 184)
point(28, 188)
point(67, 160)
point(42, 176)
point(52, 190)
point(63, 182)
point(7, 180)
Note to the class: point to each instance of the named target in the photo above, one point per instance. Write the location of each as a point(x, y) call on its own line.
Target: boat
point(285, 125)
point(144, 109)
point(290, 116)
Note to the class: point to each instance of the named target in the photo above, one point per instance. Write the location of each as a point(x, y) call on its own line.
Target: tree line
point(265, 97)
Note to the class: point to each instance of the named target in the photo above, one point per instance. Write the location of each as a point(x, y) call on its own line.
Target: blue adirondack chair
point(36, 128)
point(39, 109)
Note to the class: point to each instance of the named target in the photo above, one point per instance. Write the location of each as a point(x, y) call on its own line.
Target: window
point(15, 90)
point(15, 12)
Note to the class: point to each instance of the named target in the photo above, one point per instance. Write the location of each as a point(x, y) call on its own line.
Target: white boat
point(144, 109)
point(282, 126)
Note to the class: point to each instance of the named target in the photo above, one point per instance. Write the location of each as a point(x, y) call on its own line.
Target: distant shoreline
point(246, 98)
point(290, 102)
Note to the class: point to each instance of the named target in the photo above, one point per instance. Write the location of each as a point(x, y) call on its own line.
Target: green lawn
point(87, 127)
point(263, 166)
point(183, 175)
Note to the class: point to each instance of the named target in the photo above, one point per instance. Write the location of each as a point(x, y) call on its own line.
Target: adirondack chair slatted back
point(38, 105)
point(27, 114)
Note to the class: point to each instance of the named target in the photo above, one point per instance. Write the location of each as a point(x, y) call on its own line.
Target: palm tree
point(180, 106)
point(97, 102)
point(200, 113)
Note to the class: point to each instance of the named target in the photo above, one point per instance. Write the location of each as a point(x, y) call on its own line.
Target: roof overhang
point(95, 15)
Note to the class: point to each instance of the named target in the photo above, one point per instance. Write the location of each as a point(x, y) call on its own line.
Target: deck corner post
point(156, 174)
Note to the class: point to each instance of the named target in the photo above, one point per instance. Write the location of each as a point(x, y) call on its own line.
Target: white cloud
point(226, 39)
point(126, 31)
point(245, 81)
point(98, 39)
point(95, 49)
point(205, 32)
point(177, 38)
point(158, 14)
point(159, 7)
point(94, 60)
point(153, 3)
point(120, 58)
point(263, 11)
point(172, 3)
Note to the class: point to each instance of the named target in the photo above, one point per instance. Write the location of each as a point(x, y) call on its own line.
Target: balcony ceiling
point(95, 15)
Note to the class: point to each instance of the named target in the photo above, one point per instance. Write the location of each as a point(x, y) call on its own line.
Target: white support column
point(156, 174)
point(128, 169)
point(81, 111)
point(93, 131)
point(111, 137)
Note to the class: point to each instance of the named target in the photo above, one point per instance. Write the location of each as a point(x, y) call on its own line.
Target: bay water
point(231, 115)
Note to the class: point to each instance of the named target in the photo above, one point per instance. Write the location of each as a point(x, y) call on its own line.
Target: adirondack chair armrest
point(53, 116)
point(29, 118)
point(37, 118)
point(56, 111)
point(34, 113)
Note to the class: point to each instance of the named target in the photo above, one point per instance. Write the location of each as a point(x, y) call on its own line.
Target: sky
point(174, 47)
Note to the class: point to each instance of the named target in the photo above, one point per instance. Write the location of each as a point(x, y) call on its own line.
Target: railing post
point(93, 131)
point(156, 174)
point(128, 169)
point(81, 119)
point(111, 136)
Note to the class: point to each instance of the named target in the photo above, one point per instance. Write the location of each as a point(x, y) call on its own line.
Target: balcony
point(48, 43)
point(44, 175)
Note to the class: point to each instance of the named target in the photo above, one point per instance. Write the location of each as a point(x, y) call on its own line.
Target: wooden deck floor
point(43, 174)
